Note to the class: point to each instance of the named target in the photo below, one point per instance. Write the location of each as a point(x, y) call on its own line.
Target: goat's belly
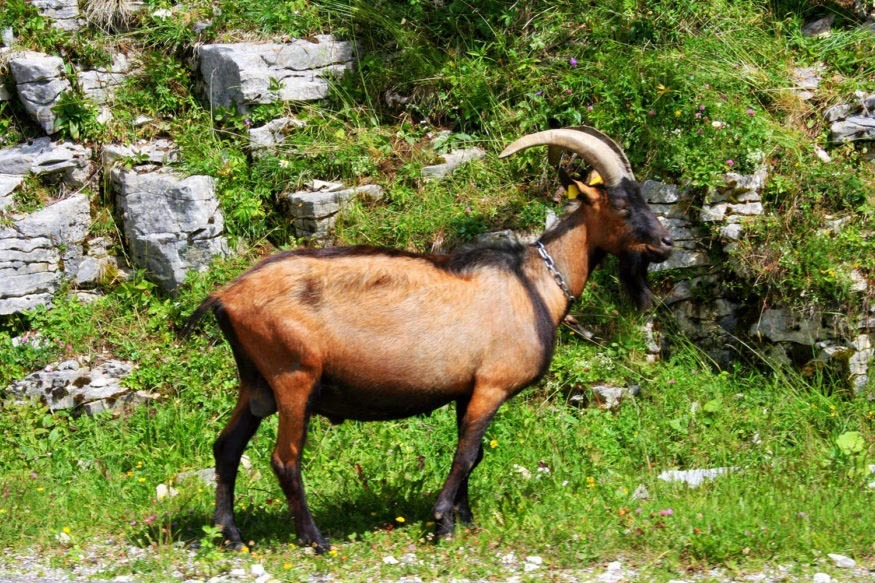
point(338, 402)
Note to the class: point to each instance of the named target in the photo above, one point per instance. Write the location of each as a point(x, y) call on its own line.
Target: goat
point(373, 334)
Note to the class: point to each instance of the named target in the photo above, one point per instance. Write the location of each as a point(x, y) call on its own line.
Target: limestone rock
point(778, 325)
point(64, 14)
point(737, 198)
point(243, 74)
point(820, 27)
point(7, 39)
point(173, 223)
point(144, 152)
point(806, 80)
point(41, 250)
point(75, 384)
point(314, 211)
point(693, 478)
point(96, 263)
point(99, 85)
point(451, 162)
point(43, 156)
point(850, 122)
point(671, 205)
point(40, 82)
point(272, 134)
point(8, 184)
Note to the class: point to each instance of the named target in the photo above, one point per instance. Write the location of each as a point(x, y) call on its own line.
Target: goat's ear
point(594, 179)
point(589, 194)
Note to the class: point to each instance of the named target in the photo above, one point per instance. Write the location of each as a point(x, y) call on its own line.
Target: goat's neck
point(569, 247)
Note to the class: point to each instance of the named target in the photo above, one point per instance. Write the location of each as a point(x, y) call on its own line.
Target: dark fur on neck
point(633, 275)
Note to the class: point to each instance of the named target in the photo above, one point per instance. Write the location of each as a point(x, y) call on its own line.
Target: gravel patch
point(109, 561)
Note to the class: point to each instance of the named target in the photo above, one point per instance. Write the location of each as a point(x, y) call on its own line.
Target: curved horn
point(554, 153)
point(599, 153)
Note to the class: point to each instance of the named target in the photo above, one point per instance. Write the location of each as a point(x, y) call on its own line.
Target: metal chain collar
point(551, 267)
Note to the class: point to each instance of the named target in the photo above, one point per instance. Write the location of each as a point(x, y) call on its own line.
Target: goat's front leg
point(227, 451)
point(477, 415)
point(292, 391)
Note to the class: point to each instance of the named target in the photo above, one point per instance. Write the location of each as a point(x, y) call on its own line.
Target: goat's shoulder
point(502, 255)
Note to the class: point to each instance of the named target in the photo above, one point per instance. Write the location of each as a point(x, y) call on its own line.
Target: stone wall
point(244, 74)
point(703, 301)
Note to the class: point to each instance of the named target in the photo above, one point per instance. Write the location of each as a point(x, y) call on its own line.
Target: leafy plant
point(76, 117)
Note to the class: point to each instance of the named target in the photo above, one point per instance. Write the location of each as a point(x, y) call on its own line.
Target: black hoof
point(320, 545)
point(444, 530)
point(465, 517)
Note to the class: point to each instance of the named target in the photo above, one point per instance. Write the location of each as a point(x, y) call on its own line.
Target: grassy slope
point(488, 74)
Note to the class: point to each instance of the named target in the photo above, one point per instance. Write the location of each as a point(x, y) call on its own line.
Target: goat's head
point(617, 218)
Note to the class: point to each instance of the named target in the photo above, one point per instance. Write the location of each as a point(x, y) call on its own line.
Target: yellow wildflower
point(399, 519)
point(493, 443)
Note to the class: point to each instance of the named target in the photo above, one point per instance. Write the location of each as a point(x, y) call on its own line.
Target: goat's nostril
point(667, 241)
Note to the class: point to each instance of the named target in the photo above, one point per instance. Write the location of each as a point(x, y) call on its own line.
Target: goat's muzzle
point(660, 252)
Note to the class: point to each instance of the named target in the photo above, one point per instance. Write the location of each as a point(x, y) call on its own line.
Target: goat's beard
point(633, 274)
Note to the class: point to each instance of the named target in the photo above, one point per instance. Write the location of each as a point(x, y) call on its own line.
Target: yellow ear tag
point(573, 192)
point(595, 178)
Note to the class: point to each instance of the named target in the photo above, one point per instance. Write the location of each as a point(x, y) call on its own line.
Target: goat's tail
point(210, 303)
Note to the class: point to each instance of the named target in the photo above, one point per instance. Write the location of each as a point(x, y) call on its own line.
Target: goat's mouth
point(659, 253)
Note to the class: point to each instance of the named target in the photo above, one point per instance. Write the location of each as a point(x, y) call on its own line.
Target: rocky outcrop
point(313, 212)
point(172, 222)
point(673, 207)
point(40, 251)
point(702, 302)
point(70, 162)
point(39, 80)
point(245, 74)
point(845, 346)
point(81, 386)
point(851, 122)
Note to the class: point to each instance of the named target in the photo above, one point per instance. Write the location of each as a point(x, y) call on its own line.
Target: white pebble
point(390, 560)
point(237, 573)
point(822, 578)
point(256, 570)
point(842, 561)
point(532, 563)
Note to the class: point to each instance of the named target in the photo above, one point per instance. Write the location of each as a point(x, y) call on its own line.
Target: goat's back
point(387, 322)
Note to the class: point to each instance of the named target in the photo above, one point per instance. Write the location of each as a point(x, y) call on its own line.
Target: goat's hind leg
point(462, 505)
point(227, 451)
point(292, 392)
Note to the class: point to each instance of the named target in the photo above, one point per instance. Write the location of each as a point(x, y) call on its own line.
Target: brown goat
point(373, 334)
